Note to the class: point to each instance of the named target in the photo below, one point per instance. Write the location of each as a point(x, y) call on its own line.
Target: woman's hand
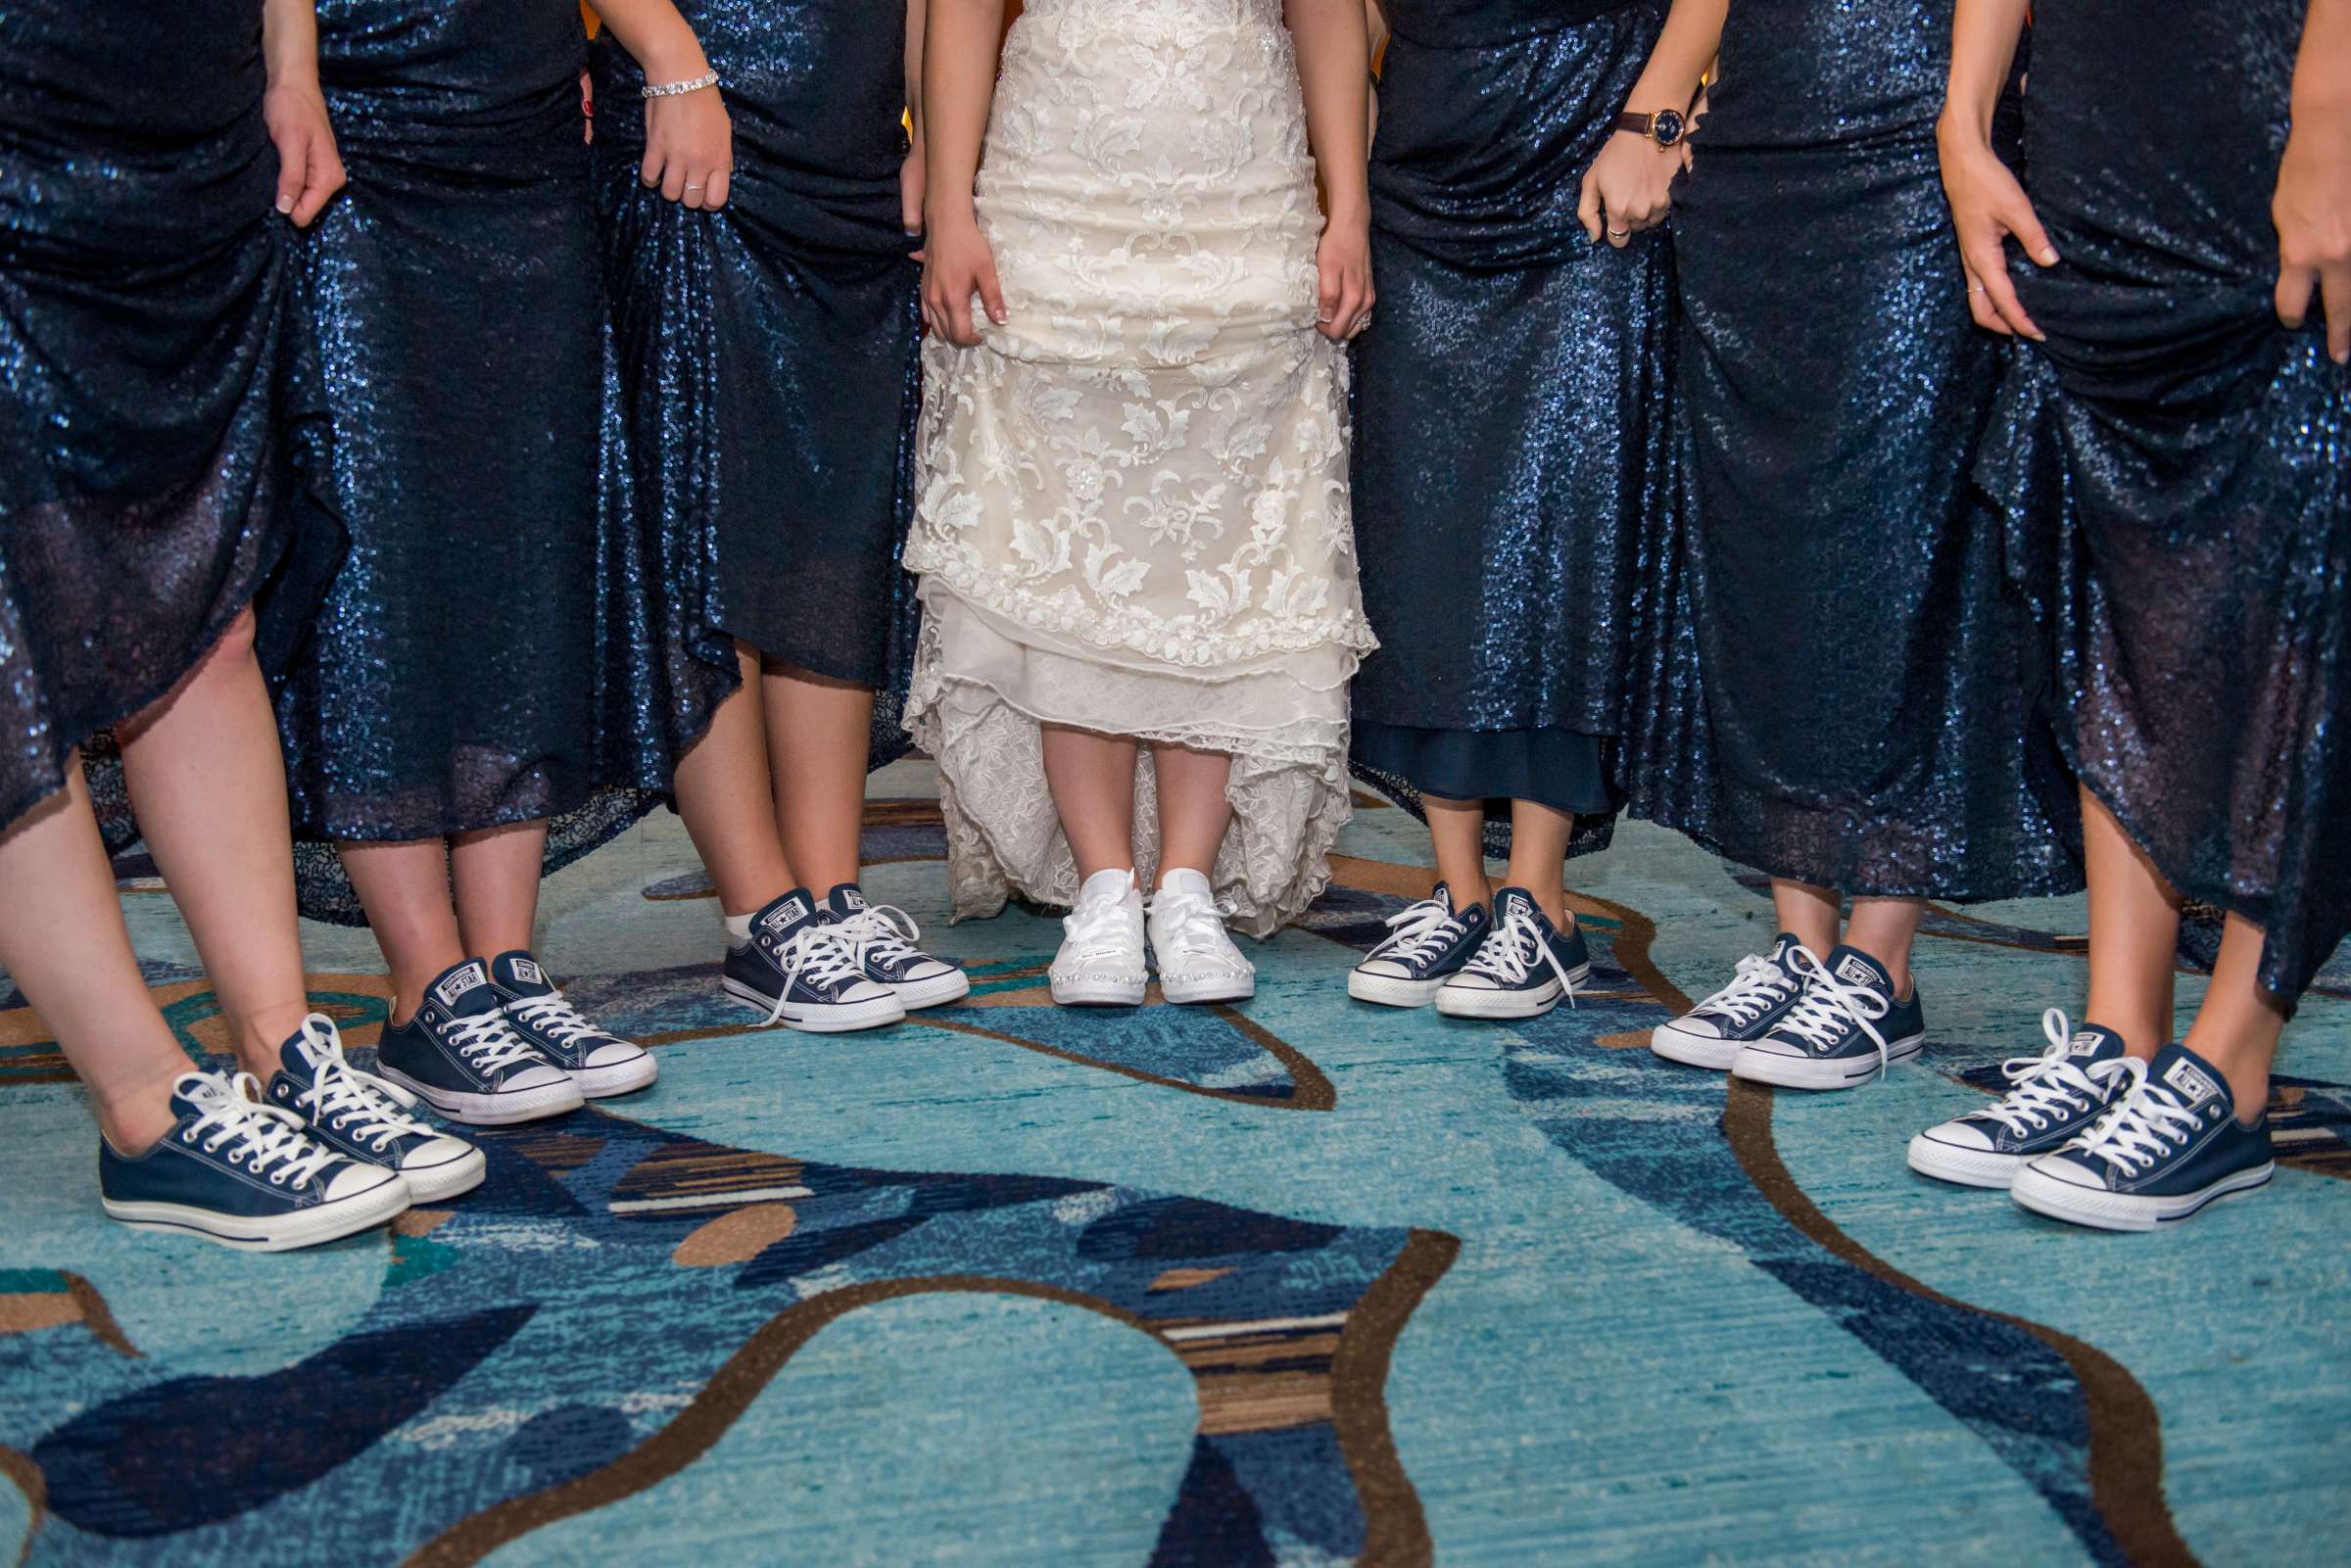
point(957, 265)
point(1343, 277)
point(1628, 188)
point(688, 147)
point(1987, 207)
point(308, 168)
point(2312, 209)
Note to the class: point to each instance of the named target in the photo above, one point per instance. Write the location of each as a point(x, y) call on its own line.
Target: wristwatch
point(1665, 128)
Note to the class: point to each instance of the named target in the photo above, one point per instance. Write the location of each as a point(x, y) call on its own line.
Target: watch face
point(1666, 127)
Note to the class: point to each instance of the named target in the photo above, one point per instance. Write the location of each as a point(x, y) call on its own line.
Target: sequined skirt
point(2176, 469)
point(765, 383)
point(152, 401)
point(1512, 406)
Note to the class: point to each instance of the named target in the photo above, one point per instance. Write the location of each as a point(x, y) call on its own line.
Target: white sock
point(738, 930)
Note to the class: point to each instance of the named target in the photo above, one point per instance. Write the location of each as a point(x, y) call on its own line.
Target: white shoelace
point(1829, 1003)
point(554, 1017)
point(489, 1042)
point(257, 1135)
point(1108, 928)
point(339, 1093)
point(1759, 985)
point(1511, 950)
point(2048, 1084)
point(818, 953)
point(2147, 1122)
point(1195, 927)
point(1419, 933)
point(885, 930)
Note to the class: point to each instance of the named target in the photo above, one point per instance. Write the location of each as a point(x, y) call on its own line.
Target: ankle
point(137, 1120)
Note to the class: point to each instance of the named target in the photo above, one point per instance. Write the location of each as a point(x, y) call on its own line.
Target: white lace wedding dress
point(1131, 506)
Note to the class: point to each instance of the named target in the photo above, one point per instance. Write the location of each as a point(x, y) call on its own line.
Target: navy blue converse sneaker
point(1426, 945)
point(801, 973)
point(1712, 1033)
point(461, 1057)
point(884, 937)
point(1846, 1027)
point(359, 1114)
point(1521, 969)
point(598, 1062)
point(2171, 1146)
point(243, 1174)
point(2055, 1099)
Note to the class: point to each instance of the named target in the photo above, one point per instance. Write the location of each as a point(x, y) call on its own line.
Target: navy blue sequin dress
point(150, 392)
point(2177, 466)
point(450, 682)
point(763, 411)
point(1512, 422)
point(1849, 709)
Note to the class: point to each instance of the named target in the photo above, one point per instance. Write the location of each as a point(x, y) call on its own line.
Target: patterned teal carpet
point(1303, 1283)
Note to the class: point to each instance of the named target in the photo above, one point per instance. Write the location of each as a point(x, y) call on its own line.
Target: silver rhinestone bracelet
point(670, 90)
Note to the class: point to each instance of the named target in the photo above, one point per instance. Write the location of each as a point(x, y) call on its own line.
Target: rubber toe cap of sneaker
point(1960, 1135)
point(2071, 1173)
point(539, 1075)
point(1788, 1049)
point(357, 1179)
point(619, 1053)
point(1695, 1029)
point(436, 1153)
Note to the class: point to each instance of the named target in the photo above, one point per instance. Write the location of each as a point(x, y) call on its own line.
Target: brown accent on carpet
point(736, 1236)
point(1396, 1534)
point(1309, 1088)
point(1185, 1278)
point(2126, 1431)
point(19, 1468)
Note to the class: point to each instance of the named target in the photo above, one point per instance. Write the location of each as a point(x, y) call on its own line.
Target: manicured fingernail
point(285, 204)
point(2048, 259)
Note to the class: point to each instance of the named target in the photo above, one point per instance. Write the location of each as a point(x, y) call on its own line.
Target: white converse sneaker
point(1101, 958)
point(1197, 960)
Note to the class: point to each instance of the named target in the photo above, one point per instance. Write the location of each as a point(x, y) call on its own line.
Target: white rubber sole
point(447, 1180)
point(823, 1018)
point(936, 991)
point(1218, 988)
point(1694, 1049)
point(309, 1227)
point(2119, 1210)
point(621, 1077)
point(1966, 1167)
point(1092, 991)
point(1801, 1073)
point(493, 1110)
point(1387, 990)
point(1476, 1002)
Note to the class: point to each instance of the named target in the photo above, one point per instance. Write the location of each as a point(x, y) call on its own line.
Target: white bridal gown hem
point(977, 704)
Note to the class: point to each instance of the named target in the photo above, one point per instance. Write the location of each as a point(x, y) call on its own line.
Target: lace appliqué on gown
point(1131, 511)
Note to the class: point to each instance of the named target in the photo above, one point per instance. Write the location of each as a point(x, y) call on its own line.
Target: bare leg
point(1092, 780)
point(2236, 1028)
point(1539, 856)
point(1458, 831)
point(1808, 913)
point(818, 731)
point(2133, 934)
point(68, 951)
point(725, 795)
point(1885, 929)
point(495, 873)
point(405, 889)
point(209, 782)
point(1193, 811)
